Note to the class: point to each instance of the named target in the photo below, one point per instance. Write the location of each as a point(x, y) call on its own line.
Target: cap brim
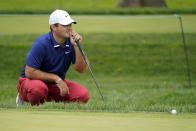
point(68, 22)
point(74, 22)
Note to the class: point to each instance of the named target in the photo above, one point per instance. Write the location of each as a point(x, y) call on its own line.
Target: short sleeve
point(36, 55)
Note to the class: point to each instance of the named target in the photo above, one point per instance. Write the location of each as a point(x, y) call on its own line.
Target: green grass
point(73, 4)
point(80, 121)
point(138, 62)
point(181, 3)
point(138, 70)
point(128, 83)
point(32, 24)
point(50, 5)
point(90, 7)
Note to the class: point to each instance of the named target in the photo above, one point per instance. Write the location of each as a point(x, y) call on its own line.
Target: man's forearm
point(80, 64)
point(35, 74)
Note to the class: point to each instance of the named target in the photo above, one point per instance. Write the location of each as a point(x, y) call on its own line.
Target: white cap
point(61, 17)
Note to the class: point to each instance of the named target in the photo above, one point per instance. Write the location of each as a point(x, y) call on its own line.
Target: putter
point(84, 57)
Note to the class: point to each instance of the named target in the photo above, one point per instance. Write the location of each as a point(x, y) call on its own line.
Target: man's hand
point(63, 87)
point(74, 36)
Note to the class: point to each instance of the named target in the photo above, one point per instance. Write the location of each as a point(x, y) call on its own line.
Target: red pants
point(36, 92)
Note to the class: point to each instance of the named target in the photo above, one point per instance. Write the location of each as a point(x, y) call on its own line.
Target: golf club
point(84, 57)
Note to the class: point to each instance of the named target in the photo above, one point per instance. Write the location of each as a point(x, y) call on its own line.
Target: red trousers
point(36, 92)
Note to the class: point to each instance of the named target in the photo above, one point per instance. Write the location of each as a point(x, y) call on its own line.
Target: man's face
point(63, 30)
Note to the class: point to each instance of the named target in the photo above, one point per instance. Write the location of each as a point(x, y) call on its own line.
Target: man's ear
point(53, 27)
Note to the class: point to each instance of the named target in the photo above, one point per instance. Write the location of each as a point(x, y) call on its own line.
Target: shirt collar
point(67, 43)
point(53, 41)
point(55, 44)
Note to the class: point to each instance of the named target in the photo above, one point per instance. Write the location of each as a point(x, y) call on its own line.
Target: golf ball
point(173, 111)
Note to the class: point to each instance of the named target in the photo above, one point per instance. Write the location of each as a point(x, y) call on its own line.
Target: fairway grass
point(34, 24)
point(18, 120)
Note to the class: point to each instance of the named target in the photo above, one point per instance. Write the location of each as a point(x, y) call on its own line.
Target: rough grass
point(90, 7)
point(181, 3)
point(136, 72)
point(50, 4)
point(78, 4)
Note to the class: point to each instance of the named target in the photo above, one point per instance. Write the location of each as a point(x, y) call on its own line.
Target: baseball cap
point(61, 17)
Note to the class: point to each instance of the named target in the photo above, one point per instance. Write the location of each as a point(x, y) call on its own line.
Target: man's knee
point(84, 96)
point(37, 92)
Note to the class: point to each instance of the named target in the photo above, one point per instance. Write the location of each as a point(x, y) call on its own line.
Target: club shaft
point(91, 72)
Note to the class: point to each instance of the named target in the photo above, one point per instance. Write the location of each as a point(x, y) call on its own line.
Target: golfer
point(43, 77)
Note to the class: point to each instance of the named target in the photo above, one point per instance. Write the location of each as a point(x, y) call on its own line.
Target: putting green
point(18, 120)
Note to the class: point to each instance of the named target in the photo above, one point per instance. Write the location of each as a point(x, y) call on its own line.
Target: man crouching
point(43, 76)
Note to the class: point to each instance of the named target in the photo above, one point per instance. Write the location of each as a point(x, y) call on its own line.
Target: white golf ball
point(173, 111)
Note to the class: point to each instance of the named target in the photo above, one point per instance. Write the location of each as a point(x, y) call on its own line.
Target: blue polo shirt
point(46, 55)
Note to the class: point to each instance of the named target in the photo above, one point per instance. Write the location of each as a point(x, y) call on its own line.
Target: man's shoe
point(20, 102)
